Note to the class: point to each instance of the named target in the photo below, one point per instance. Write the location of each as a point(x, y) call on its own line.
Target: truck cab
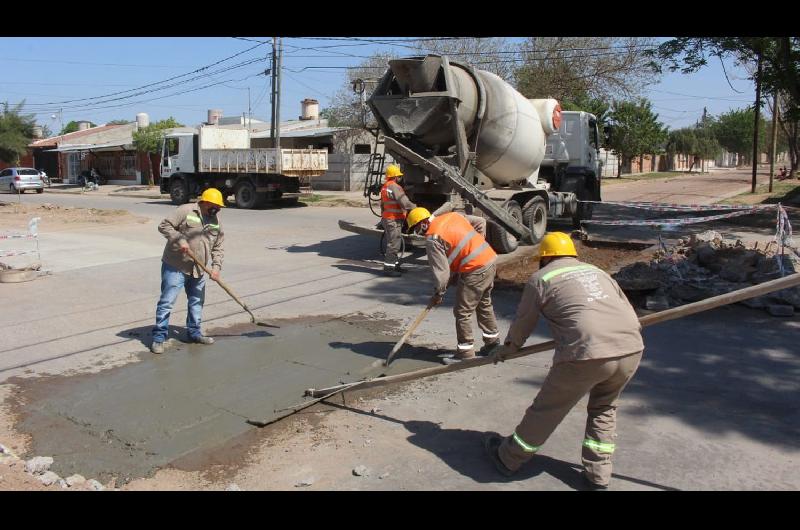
point(572, 160)
point(177, 155)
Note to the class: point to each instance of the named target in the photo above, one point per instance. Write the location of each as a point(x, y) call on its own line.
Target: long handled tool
point(228, 290)
point(656, 318)
point(408, 333)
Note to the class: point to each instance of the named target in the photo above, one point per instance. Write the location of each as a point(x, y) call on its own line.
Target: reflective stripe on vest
point(600, 447)
point(525, 446)
point(469, 250)
point(192, 217)
point(391, 208)
point(550, 275)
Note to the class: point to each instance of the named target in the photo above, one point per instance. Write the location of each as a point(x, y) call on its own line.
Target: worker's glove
point(436, 299)
point(183, 246)
point(500, 353)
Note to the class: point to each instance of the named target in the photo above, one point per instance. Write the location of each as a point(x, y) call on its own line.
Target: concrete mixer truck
point(466, 137)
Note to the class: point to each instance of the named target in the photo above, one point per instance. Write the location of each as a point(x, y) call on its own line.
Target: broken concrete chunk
point(38, 465)
point(657, 303)
point(361, 471)
point(75, 480)
point(689, 293)
point(780, 310)
point(48, 478)
point(759, 302)
point(305, 483)
point(94, 485)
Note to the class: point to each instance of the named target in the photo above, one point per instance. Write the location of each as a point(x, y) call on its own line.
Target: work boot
point(592, 486)
point(460, 356)
point(157, 347)
point(487, 348)
point(492, 444)
point(391, 271)
point(203, 340)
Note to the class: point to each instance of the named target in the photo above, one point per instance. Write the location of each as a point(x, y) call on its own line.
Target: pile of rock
point(39, 467)
point(705, 265)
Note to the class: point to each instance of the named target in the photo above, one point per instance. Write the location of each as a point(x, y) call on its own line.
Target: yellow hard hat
point(213, 196)
point(557, 244)
point(416, 215)
point(393, 171)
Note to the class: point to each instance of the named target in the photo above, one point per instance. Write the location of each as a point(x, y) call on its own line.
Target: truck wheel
point(503, 242)
point(535, 217)
point(179, 191)
point(246, 196)
point(292, 201)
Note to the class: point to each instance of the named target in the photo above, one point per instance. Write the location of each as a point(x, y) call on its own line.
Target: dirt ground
point(16, 216)
point(609, 258)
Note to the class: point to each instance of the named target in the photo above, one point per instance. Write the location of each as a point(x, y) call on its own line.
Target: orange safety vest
point(468, 249)
point(390, 208)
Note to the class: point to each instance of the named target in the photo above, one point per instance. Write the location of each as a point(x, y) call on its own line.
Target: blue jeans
point(171, 282)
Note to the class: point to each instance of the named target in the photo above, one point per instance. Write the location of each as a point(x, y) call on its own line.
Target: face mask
point(213, 211)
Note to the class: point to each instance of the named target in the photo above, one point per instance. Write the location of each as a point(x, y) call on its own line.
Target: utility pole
point(774, 155)
point(277, 136)
point(758, 119)
point(272, 94)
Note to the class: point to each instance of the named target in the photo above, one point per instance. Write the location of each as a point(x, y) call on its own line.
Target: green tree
point(780, 57)
point(150, 139)
point(634, 130)
point(16, 132)
point(568, 68)
point(734, 132)
point(119, 122)
point(72, 127)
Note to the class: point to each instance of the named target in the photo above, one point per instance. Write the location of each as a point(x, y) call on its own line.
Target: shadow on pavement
point(145, 334)
point(463, 451)
point(380, 350)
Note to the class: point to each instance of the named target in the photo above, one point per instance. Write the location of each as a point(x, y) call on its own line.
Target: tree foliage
point(149, 139)
point(570, 68)
point(119, 122)
point(635, 129)
point(16, 132)
point(734, 131)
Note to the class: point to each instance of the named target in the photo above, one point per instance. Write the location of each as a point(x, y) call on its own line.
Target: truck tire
point(247, 197)
point(501, 241)
point(292, 201)
point(534, 215)
point(179, 191)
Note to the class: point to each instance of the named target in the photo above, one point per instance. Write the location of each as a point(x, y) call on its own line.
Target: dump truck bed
point(294, 162)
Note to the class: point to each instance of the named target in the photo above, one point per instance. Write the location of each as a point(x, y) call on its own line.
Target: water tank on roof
point(83, 125)
point(309, 109)
point(38, 132)
point(142, 120)
point(214, 115)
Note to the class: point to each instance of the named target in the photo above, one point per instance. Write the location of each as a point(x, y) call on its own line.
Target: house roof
point(302, 133)
point(53, 141)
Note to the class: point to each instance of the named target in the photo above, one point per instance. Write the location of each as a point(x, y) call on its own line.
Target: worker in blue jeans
point(195, 228)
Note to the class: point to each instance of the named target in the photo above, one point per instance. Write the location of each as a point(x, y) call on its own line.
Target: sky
point(64, 79)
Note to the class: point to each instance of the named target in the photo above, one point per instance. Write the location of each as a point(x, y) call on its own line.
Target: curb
point(65, 192)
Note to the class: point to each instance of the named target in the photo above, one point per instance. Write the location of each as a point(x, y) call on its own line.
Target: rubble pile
point(705, 265)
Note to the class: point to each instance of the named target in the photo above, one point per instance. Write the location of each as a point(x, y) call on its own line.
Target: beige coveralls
point(473, 292)
point(598, 349)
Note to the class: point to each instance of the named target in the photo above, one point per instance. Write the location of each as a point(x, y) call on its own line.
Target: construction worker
point(598, 348)
point(192, 227)
point(456, 246)
point(394, 205)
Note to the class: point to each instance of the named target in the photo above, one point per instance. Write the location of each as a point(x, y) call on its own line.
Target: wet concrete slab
point(128, 421)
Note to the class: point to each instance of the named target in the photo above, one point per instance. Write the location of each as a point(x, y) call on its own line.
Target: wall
point(346, 172)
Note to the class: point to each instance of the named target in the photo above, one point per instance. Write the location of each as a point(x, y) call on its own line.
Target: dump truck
point(466, 137)
point(218, 157)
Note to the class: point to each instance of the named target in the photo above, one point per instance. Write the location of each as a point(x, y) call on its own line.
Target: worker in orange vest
point(456, 246)
point(394, 205)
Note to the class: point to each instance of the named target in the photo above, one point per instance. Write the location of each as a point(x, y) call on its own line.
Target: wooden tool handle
point(220, 282)
point(407, 334)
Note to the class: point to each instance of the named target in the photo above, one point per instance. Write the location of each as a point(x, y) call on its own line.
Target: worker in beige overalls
point(598, 349)
point(394, 205)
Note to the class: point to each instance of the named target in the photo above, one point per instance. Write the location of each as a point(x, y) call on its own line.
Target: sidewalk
point(152, 192)
point(138, 191)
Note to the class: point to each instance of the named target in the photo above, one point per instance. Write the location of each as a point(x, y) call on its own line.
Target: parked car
point(19, 179)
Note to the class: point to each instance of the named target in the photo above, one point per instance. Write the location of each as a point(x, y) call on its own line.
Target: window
point(362, 149)
point(128, 165)
point(172, 146)
point(27, 172)
point(5, 173)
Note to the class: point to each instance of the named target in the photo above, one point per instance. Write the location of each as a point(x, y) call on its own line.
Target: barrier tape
point(670, 222)
point(673, 207)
